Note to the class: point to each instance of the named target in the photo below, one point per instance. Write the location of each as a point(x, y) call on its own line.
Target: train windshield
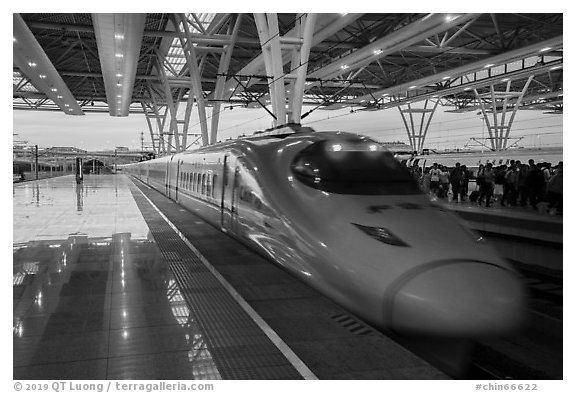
point(360, 167)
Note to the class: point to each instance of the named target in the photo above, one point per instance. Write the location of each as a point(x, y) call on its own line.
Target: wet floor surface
point(105, 289)
point(92, 296)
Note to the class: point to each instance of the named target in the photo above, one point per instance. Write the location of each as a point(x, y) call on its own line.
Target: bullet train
point(341, 213)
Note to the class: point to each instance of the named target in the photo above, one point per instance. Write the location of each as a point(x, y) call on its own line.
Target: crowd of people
point(516, 184)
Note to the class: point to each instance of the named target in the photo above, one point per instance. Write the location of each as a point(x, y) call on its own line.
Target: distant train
point(338, 211)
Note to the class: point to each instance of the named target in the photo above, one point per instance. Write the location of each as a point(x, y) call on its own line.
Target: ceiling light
point(505, 79)
point(545, 49)
point(446, 77)
point(489, 65)
point(413, 87)
point(31, 64)
point(42, 76)
point(60, 97)
point(54, 89)
point(344, 66)
point(467, 88)
point(118, 75)
point(119, 36)
point(119, 55)
point(378, 51)
point(385, 94)
point(555, 68)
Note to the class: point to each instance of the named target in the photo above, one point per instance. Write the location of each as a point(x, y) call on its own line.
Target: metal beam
point(399, 39)
point(517, 54)
point(326, 26)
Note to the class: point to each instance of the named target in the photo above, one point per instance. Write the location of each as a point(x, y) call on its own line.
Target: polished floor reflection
point(93, 297)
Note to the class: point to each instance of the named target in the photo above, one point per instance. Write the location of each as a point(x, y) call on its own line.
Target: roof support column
point(500, 131)
point(300, 64)
point(516, 106)
point(221, 80)
point(150, 128)
point(417, 139)
point(159, 122)
point(269, 34)
point(171, 108)
point(194, 69)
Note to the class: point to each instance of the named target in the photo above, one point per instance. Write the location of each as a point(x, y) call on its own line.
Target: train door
point(228, 205)
point(177, 182)
point(169, 178)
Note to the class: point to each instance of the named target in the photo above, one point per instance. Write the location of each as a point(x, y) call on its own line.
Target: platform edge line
point(290, 355)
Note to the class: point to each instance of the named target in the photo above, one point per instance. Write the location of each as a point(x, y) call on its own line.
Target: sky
point(96, 131)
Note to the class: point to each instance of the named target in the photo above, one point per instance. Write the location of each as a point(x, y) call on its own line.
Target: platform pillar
point(417, 132)
point(269, 35)
point(497, 103)
point(221, 79)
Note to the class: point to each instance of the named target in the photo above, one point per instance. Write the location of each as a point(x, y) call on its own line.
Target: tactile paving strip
point(240, 349)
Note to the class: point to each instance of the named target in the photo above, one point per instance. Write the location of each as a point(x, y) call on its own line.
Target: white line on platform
point(298, 364)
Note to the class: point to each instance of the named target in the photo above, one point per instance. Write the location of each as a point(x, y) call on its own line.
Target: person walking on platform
point(555, 191)
point(523, 184)
point(488, 185)
point(444, 182)
point(480, 183)
point(536, 184)
point(464, 179)
point(455, 181)
point(510, 186)
point(435, 179)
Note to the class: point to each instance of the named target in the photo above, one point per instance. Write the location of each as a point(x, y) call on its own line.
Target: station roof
point(364, 61)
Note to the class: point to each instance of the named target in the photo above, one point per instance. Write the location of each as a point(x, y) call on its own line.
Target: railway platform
point(520, 234)
point(111, 280)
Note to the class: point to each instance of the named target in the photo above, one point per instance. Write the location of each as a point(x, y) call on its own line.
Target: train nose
point(469, 298)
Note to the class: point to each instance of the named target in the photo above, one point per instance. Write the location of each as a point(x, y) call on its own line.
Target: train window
point(213, 184)
point(209, 185)
point(203, 189)
point(353, 166)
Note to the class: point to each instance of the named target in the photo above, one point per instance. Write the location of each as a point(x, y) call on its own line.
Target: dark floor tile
point(87, 370)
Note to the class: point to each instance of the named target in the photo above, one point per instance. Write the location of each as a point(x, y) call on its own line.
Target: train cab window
point(353, 166)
